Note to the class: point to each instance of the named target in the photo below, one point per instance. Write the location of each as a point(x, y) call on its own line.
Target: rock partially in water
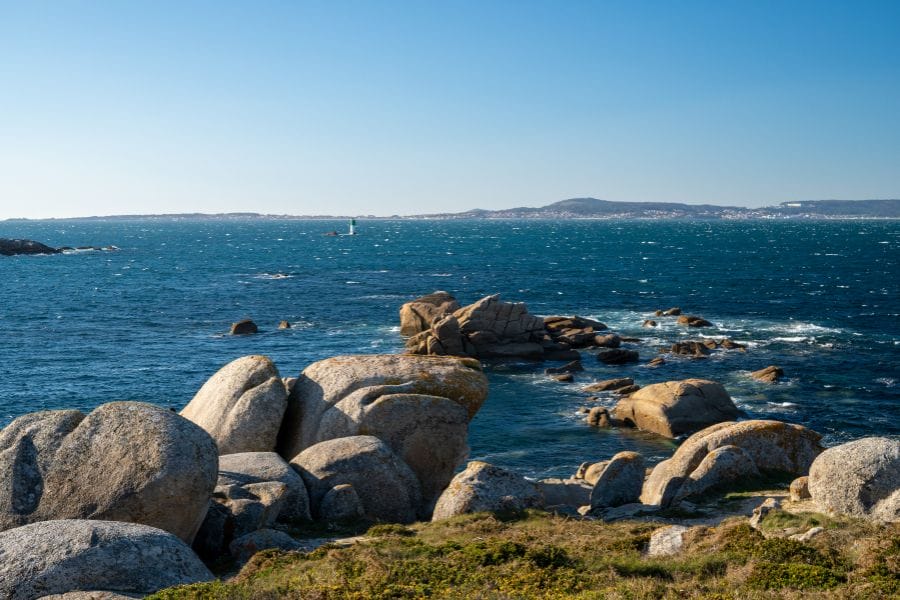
point(693, 321)
point(56, 557)
point(676, 407)
point(618, 356)
point(9, 247)
point(770, 374)
point(859, 479)
point(241, 406)
point(244, 327)
point(608, 385)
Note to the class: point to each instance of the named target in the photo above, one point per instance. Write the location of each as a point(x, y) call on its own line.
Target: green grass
point(537, 555)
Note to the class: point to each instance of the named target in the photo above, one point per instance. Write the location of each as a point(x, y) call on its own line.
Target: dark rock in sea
point(770, 374)
point(655, 362)
point(561, 355)
point(693, 321)
point(284, 325)
point(618, 356)
point(563, 377)
point(572, 367)
point(610, 340)
point(649, 323)
point(10, 247)
point(730, 344)
point(244, 327)
point(628, 389)
point(556, 325)
point(690, 348)
point(609, 384)
point(672, 312)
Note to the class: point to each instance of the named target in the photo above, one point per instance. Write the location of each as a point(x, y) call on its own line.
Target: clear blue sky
point(422, 106)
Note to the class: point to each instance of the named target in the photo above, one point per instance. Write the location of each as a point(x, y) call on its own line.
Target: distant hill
point(593, 208)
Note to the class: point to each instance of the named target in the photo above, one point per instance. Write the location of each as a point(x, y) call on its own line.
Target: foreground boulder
point(125, 461)
point(676, 407)
point(860, 479)
point(10, 247)
point(254, 490)
point(619, 482)
point(699, 464)
point(484, 487)
point(387, 488)
point(241, 406)
point(418, 315)
point(486, 328)
point(56, 557)
point(324, 384)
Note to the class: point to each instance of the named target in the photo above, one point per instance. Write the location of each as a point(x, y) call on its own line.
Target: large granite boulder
point(486, 328)
point(10, 247)
point(125, 461)
point(484, 487)
point(56, 557)
point(860, 479)
point(771, 445)
point(418, 315)
point(324, 384)
point(676, 407)
point(429, 433)
point(619, 482)
point(241, 406)
point(387, 488)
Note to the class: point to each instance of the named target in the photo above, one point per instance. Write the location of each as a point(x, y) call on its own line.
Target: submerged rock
point(56, 557)
point(241, 406)
point(676, 407)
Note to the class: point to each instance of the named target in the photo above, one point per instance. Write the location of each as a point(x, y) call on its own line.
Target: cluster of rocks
point(139, 492)
point(249, 327)
point(490, 328)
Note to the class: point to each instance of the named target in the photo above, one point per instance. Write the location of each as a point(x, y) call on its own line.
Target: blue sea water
point(149, 322)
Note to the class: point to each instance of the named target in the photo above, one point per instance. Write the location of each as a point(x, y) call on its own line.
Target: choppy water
point(148, 322)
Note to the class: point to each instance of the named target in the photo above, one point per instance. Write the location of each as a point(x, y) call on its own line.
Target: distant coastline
point(579, 208)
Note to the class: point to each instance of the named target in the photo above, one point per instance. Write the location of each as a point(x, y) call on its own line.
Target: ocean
point(149, 322)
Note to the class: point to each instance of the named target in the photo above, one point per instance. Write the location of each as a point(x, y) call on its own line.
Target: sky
point(383, 107)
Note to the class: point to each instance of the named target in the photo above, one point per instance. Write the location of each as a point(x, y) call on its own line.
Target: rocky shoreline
point(133, 498)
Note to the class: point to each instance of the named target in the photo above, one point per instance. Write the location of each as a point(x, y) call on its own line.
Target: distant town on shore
point(592, 208)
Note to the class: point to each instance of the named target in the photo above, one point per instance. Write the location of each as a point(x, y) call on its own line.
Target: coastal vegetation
point(533, 554)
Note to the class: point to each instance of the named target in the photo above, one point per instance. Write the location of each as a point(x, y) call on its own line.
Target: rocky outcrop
point(241, 406)
point(619, 482)
point(693, 321)
point(324, 384)
point(244, 327)
point(10, 247)
point(251, 468)
point(56, 557)
point(125, 461)
point(676, 407)
point(860, 479)
point(770, 445)
point(484, 487)
point(387, 488)
point(770, 374)
point(418, 315)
